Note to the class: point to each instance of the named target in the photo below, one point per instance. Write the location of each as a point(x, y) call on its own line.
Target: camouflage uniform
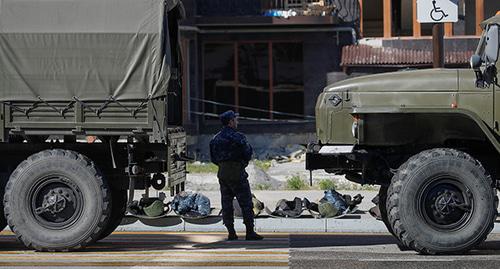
point(230, 150)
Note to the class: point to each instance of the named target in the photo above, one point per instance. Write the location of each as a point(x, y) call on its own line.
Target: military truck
point(429, 138)
point(90, 111)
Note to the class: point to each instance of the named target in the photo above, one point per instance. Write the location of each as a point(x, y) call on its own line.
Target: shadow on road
point(150, 241)
point(335, 240)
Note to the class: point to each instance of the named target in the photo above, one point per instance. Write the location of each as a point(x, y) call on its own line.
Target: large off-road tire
point(57, 200)
point(382, 206)
point(442, 201)
point(118, 209)
point(3, 221)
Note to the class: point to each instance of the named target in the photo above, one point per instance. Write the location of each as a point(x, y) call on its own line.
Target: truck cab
point(429, 138)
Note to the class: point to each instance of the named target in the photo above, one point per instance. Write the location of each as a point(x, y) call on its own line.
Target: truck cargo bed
point(84, 118)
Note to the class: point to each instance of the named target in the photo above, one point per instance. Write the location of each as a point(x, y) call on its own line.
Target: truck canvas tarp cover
point(88, 50)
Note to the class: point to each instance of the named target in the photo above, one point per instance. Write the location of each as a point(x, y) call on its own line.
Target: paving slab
point(309, 225)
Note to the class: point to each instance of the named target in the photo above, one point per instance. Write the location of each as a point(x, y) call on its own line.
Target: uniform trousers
point(233, 182)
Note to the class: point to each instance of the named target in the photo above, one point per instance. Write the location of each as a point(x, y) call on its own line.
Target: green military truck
point(72, 72)
point(429, 138)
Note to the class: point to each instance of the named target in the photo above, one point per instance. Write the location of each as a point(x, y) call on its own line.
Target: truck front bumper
point(333, 158)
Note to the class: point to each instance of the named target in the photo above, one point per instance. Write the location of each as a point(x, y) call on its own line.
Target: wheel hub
point(55, 201)
point(446, 204)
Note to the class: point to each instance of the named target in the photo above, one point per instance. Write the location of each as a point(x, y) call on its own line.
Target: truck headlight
point(355, 127)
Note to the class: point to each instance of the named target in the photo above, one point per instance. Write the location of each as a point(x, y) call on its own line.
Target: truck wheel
point(441, 201)
point(3, 221)
point(382, 206)
point(118, 209)
point(57, 200)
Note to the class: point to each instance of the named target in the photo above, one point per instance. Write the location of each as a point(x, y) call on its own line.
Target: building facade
point(268, 68)
point(270, 59)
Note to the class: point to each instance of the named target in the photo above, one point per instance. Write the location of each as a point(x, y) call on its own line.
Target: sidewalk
point(352, 223)
point(359, 222)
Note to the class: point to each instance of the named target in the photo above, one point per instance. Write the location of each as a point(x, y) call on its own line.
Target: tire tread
point(397, 183)
point(85, 162)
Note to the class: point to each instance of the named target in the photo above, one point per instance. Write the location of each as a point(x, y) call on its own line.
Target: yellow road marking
point(142, 258)
point(178, 240)
point(146, 264)
point(145, 252)
point(190, 256)
point(225, 233)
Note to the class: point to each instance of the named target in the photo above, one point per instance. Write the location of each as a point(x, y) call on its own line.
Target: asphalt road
point(195, 250)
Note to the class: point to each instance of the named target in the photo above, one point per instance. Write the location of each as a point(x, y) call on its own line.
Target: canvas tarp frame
point(85, 50)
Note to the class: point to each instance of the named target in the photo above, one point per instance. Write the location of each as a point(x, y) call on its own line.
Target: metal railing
point(290, 117)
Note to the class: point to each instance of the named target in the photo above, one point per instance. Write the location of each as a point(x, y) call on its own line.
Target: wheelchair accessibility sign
point(437, 11)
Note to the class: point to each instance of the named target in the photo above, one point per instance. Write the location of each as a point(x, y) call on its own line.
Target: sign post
point(437, 45)
point(437, 12)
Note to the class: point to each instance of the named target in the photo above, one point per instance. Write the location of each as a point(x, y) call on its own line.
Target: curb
point(262, 224)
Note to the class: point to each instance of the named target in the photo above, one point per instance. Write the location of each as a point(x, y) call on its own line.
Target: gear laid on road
point(333, 204)
point(150, 207)
point(258, 207)
point(191, 205)
point(287, 209)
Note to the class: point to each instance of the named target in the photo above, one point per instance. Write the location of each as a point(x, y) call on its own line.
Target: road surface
point(279, 250)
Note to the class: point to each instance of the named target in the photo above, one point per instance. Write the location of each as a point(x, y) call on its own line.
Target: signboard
point(437, 11)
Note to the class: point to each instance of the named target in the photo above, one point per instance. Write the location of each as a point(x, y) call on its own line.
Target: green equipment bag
point(258, 206)
point(155, 209)
point(327, 210)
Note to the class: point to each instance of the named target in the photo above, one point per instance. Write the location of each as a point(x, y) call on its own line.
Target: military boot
point(252, 235)
point(232, 236)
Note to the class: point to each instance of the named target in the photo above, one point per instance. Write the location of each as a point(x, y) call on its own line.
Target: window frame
point(236, 80)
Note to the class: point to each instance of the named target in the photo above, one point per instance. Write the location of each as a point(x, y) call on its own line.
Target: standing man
point(230, 151)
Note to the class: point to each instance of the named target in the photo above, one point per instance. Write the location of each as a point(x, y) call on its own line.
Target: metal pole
point(438, 45)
